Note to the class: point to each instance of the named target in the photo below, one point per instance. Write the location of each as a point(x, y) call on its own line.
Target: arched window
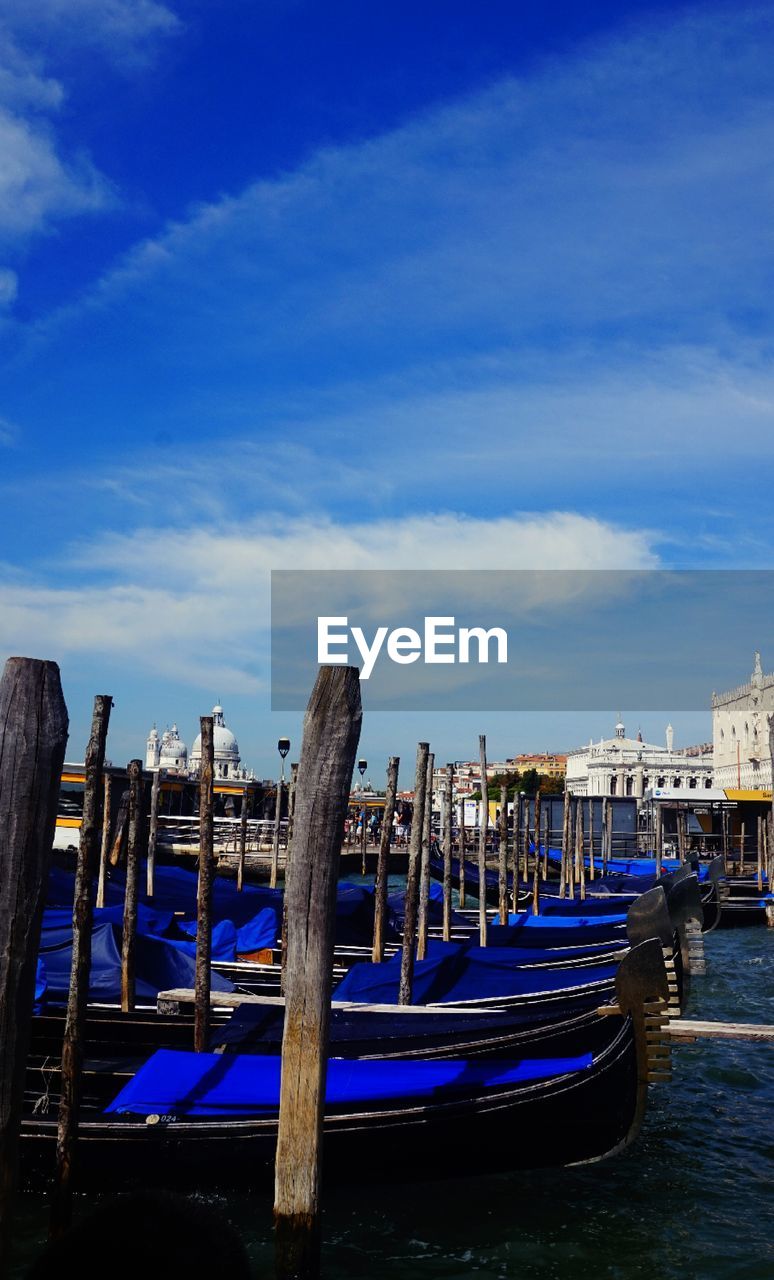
point(733, 734)
point(746, 734)
point(613, 785)
point(677, 782)
point(661, 782)
point(692, 784)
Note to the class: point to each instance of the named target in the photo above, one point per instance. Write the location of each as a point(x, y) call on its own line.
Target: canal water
point(692, 1200)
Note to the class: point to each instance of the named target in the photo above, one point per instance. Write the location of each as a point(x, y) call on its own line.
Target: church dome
point(174, 752)
point(225, 745)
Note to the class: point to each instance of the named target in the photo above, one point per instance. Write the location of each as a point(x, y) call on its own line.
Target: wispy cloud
point(42, 181)
point(192, 604)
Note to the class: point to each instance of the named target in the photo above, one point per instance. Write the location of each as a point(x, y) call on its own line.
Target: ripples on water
point(692, 1200)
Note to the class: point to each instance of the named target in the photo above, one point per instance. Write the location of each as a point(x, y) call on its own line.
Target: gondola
point(211, 1120)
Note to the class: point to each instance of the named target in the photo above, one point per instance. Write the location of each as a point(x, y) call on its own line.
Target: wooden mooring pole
point(482, 834)
point(412, 878)
point(536, 861)
point(424, 878)
point(276, 836)
point(33, 736)
point(502, 865)
point(240, 883)
point(203, 974)
point(153, 829)
point(565, 846)
point(331, 734)
point(448, 839)
point(75, 1017)
point(104, 848)
point(518, 803)
point(133, 842)
point(383, 861)
point(463, 839)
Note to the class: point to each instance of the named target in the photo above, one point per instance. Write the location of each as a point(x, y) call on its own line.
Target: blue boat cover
point(175, 891)
point(176, 1083)
point(159, 965)
point(453, 972)
point(634, 866)
point(367, 983)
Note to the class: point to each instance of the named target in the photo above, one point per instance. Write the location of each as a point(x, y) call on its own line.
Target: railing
point(183, 833)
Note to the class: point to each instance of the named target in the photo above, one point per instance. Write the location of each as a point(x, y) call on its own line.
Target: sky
point(293, 285)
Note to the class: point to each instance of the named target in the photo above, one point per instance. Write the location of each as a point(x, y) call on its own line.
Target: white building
point(740, 732)
point(621, 766)
point(169, 752)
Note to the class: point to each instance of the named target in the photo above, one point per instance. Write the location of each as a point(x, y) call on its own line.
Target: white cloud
point(37, 185)
point(192, 604)
point(120, 29)
point(40, 182)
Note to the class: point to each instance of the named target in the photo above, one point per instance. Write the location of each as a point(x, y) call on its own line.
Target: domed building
point(168, 752)
point(225, 749)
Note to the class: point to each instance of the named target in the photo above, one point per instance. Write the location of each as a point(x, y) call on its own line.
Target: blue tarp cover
point(159, 965)
point(453, 972)
point(229, 1085)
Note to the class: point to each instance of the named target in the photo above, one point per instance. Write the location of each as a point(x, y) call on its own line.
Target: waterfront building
point(622, 766)
point(549, 764)
point(740, 732)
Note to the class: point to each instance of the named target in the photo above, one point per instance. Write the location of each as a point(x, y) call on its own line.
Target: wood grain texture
point(331, 735)
point(33, 736)
point(203, 976)
point(75, 1017)
point(135, 811)
point(412, 877)
point(482, 833)
point(383, 861)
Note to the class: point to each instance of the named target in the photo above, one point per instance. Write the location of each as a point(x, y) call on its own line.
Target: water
point(692, 1200)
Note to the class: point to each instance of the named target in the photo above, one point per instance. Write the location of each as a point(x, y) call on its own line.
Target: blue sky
point(386, 285)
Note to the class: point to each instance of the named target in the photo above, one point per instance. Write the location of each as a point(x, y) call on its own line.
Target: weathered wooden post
point(463, 841)
point(412, 878)
point(581, 854)
point(202, 974)
point(518, 801)
point(536, 861)
point(383, 861)
point(607, 833)
point(526, 843)
point(83, 917)
point(760, 854)
point(133, 844)
point(242, 842)
point(482, 834)
point(448, 838)
point(424, 879)
point(276, 836)
point(565, 846)
point(571, 838)
point(546, 836)
point(502, 866)
point(331, 734)
point(33, 736)
point(658, 823)
point(292, 799)
point(103, 853)
point(153, 834)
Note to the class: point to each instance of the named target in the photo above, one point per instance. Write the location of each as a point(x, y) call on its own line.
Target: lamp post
point(362, 765)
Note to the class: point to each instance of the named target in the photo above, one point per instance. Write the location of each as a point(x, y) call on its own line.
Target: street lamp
point(362, 765)
point(283, 746)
